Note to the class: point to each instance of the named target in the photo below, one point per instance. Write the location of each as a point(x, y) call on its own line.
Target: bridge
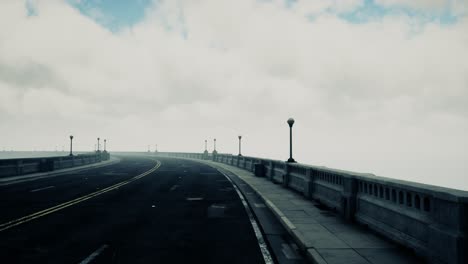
point(171, 207)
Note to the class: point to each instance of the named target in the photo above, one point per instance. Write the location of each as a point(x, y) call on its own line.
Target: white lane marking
point(94, 255)
point(261, 241)
point(174, 187)
point(194, 198)
point(41, 189)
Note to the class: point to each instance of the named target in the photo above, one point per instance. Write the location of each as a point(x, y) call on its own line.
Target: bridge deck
point(324, 234)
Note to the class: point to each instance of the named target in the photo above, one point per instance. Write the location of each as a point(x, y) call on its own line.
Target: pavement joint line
point(261, 240)
point(64, 205)
point(94, 255)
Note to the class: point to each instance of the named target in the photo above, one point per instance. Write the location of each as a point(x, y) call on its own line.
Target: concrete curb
point(37, 176)
point(311, 253)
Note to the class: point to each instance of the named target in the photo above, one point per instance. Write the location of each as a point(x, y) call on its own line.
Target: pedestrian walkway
point(324, 235)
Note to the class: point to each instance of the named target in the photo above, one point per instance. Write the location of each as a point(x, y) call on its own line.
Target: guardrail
point(17, 167)
point(431, 220)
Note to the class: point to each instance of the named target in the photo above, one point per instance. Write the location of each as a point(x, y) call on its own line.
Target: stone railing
point(16, 167)
point(431, 220)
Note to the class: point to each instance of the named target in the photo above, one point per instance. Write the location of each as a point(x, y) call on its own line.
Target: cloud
point(378, 96)
point(305, 7)
point(418, 4)
point(455, 7)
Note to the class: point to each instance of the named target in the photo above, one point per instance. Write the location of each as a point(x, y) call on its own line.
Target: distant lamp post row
point(98, 145)
point(214, 143)
point(290, 122)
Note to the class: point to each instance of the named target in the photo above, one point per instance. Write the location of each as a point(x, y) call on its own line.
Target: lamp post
point(98, 144)
point(290, 123)
point(240, 138)
point(71, 145)
point(214, 150)
point(205, 153)
point(105, 142)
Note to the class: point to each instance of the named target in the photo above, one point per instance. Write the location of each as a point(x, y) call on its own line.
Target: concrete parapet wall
point(17, 167)
point(431, 220)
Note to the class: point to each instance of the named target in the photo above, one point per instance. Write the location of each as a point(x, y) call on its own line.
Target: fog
point(385, 93)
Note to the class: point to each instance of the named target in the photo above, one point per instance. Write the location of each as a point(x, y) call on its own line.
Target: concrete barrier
point(431, 220)
point(17, 167)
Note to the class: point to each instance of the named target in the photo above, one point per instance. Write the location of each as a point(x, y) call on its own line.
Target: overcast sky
point(376, 86)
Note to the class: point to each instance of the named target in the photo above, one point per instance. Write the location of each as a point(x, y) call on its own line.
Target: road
point(141, 210)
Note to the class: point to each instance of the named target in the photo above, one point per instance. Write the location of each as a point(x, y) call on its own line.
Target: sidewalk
point(324, 235)
point(35, 176)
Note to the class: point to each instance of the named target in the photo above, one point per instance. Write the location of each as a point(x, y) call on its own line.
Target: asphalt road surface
point(141, 210)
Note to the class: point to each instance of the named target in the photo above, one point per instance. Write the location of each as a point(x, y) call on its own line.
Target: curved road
point(141, 210)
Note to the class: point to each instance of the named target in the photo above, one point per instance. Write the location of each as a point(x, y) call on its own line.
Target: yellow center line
point(64, 205)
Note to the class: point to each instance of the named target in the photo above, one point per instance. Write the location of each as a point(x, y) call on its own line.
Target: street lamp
point(105, 141)
point(290, 123)
point(98, 144)
point(205, 153)
point(214, 150)
point(71, 145)
point(240, 138)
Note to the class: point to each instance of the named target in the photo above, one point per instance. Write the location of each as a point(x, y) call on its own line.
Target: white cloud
point(372, 97)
